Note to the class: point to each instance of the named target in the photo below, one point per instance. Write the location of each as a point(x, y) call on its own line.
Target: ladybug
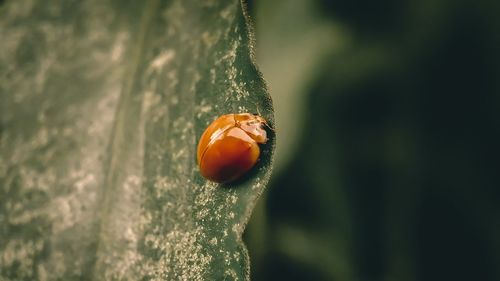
point(229, 147)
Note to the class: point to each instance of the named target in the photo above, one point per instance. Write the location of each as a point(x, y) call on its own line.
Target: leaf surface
point(101, 106)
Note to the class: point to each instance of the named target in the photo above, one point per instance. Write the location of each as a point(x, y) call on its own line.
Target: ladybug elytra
point(229, 147)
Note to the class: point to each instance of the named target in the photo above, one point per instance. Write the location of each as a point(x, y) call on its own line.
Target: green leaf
point(101, 106)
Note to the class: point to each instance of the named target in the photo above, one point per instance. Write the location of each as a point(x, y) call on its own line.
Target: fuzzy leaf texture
point(101, 107)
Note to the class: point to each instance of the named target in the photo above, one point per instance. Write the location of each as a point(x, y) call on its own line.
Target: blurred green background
point(388, 140)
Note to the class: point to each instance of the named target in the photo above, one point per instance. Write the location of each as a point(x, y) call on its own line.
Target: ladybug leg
point(236, 122)
point(269, 127)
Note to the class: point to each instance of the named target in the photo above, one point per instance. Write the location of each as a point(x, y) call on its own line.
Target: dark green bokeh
point(396, 172)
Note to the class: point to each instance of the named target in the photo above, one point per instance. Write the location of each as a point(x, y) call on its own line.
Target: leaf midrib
point(117, 153)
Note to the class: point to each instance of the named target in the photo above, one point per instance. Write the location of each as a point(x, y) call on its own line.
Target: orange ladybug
point(229, 147)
